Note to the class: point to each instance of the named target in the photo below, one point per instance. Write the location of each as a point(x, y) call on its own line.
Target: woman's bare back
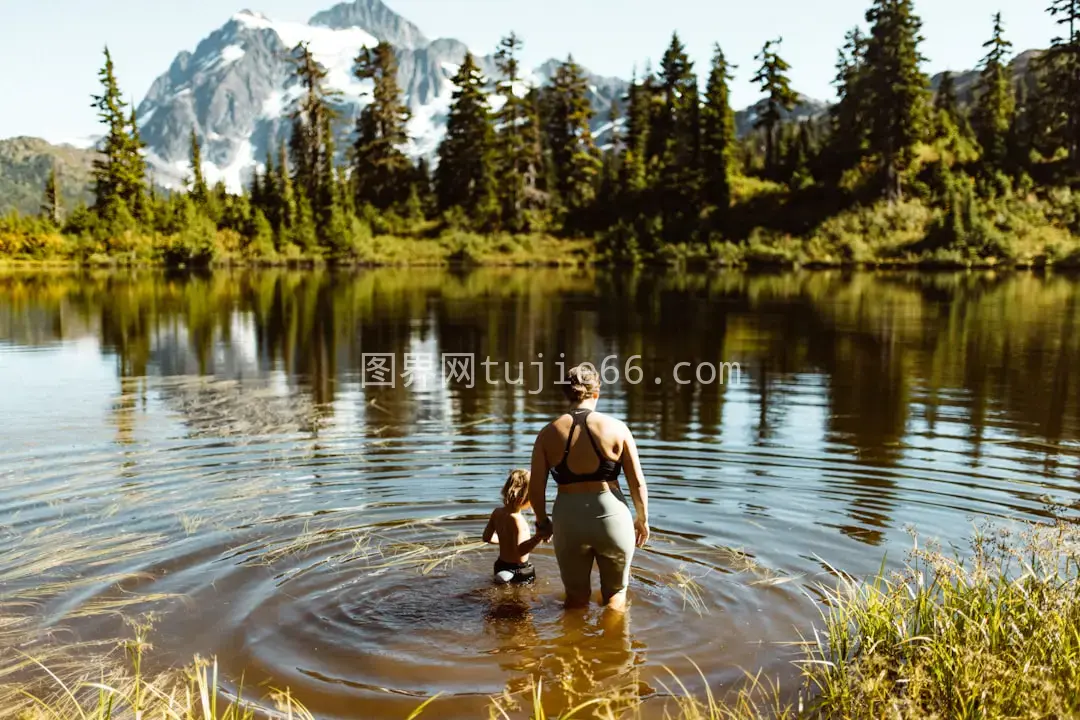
point(608, 433)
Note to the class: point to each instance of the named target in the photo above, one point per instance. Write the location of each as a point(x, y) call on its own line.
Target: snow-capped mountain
point(236, 88)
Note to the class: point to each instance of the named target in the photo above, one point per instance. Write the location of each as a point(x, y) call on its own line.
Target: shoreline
point(928, 265)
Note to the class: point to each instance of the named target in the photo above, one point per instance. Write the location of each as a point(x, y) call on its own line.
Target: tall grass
point(991, 633)
point(126, 692)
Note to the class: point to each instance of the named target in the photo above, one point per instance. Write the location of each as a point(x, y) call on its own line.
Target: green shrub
point(195, 245)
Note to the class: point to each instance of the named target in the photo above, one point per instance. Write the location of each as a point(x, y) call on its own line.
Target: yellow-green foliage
point(748, 187)
point(865, 234)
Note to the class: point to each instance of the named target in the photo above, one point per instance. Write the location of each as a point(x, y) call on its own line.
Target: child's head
point(515, 492)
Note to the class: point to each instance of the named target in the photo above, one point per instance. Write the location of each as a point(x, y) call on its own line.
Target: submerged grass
point(992, 632)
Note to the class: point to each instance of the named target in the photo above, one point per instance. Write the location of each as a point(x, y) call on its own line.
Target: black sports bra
point(608, 470)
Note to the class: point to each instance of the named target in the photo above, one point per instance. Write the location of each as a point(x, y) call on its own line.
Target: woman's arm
point(538, 477)
point(638, 491)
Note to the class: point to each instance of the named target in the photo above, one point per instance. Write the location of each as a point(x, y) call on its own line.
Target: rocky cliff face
point(236, 88)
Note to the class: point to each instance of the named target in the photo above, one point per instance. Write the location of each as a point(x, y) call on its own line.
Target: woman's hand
point(641, 532)
point(544, 528)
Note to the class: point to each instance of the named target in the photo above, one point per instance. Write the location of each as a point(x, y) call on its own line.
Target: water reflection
point(965, 346)
point(220, 424)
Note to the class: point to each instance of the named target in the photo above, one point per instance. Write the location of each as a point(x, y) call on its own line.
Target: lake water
point(213, 449)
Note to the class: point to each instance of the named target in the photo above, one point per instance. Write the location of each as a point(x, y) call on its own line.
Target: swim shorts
point(513, 573)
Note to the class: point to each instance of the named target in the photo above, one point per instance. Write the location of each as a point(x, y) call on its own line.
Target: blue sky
point(51, 49)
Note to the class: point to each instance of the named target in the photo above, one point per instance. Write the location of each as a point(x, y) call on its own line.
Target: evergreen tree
point(994, 102)
point(1023, 135)
point(199, 190)
point(136, 170)
point(780, 98)
point(119, 172)
point(380, 168)
point(52, 207)
point(288, 214)
point(465, 177)
point(1059, 90)
point(677, 132)
point(312, 143)
point(255, 191)
point(679, 125)
point(608, 189)
point(848, 115)
point(574, 155)
point(896, 89)
point(718, 136)
point(518, 148)
point(633, 176)
point(947, 107)
point(421, 200)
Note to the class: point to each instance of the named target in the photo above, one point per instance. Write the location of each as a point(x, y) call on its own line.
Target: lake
point(289, 470)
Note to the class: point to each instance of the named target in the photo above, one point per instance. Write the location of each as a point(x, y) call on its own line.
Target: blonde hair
point(581, 382)
point(515, 492)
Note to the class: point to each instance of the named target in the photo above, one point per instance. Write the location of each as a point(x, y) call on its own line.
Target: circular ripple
point(359, 615)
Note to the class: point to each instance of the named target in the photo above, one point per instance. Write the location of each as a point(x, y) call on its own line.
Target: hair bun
point(582, 382)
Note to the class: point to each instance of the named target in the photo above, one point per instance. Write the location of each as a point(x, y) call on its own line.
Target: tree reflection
point(894, 350)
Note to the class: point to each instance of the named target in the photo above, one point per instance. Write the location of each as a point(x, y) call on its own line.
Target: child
point(510, 531)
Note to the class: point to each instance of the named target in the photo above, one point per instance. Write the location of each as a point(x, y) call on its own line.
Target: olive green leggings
point(593, 527)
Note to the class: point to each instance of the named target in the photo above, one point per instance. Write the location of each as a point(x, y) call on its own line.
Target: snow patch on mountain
point(237, 89)
point(234, 175)
point(231, 54)
point(335, 49)
point(427, 127)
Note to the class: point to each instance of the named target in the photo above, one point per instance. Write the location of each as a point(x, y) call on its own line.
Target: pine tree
point(947, 107)
point(119, 173)
point(638, 123)
point(465, 177)
point(380, 168)
point(312, 142)
point(517, 146)
point(679, 126)
point(288, 212)
point(780, 98)
point(718, 135)
point(269, 198)
point(1060, 87)
point(255, 191)
point(896, 89)
point(52, 207)
point(677, 132)
point(848, 114)
point(199, 189)
point(136, 172)
point(608, 189)
point(994, 102)
point(1023, 135)
point(574, 155)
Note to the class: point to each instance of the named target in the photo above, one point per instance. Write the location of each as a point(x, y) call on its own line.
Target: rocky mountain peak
point(374, 17)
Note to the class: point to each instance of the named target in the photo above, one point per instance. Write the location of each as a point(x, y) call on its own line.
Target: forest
point(892, 173)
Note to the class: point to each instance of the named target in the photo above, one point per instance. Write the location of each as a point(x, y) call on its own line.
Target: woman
point(584, 451)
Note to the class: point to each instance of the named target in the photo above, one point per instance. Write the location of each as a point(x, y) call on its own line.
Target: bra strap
point(582, 418)
point(576, 419)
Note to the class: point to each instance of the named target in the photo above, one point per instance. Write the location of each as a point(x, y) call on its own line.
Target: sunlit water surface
point(205, 448)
